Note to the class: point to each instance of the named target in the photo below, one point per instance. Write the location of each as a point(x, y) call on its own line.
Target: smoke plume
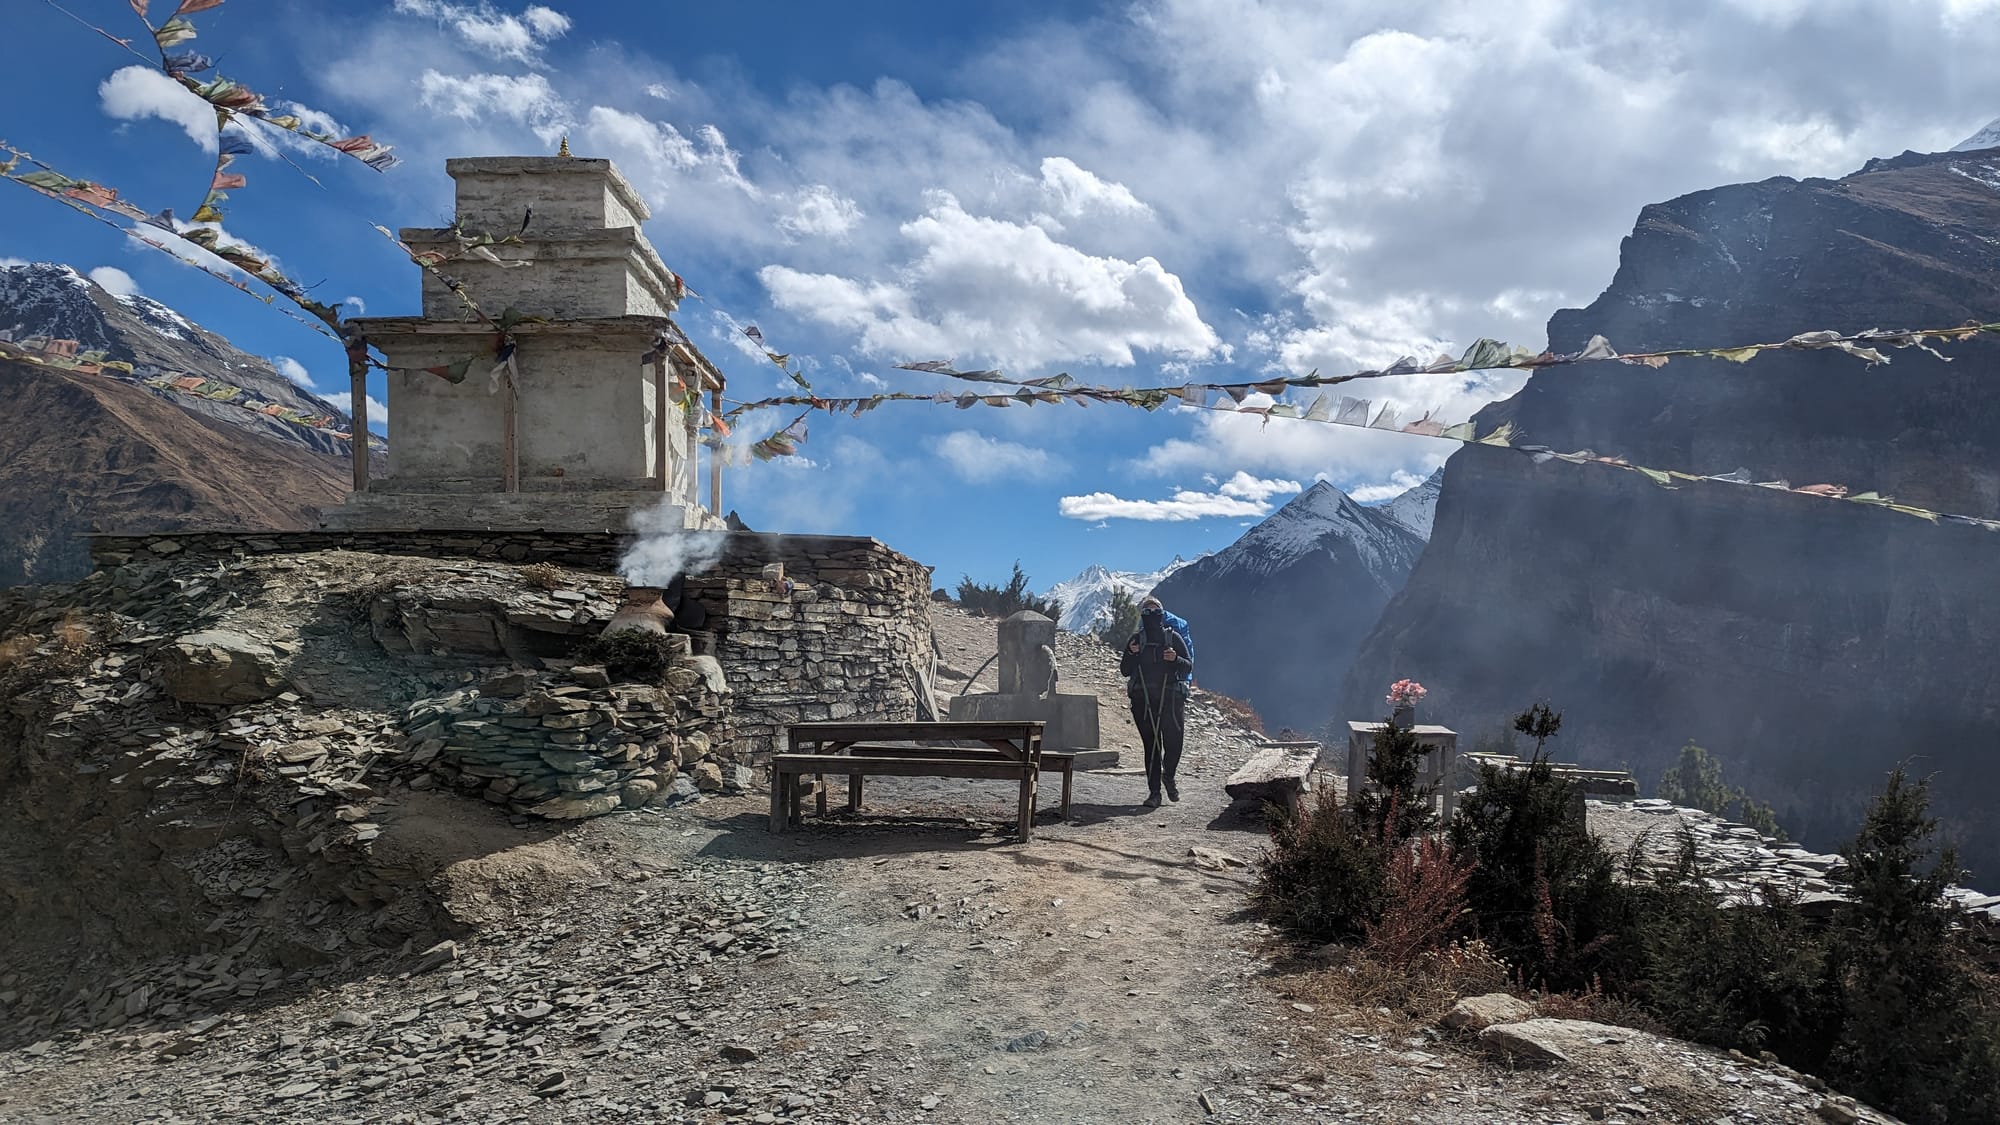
point(665, 549)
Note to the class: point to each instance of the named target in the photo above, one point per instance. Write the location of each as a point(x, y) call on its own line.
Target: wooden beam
point(660, 371)
point(510, 453)
point(358, 407)
point(715, 462)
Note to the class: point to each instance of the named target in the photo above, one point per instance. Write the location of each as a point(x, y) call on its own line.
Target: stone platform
point(595, 511)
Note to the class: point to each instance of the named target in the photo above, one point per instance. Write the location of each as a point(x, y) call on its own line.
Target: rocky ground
point(914, 965)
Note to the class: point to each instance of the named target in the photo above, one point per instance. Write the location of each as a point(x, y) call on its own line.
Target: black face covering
point(1155, 626)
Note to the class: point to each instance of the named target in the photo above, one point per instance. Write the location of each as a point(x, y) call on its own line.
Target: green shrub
point(1542, 889)
point(1394, 808)
point(1004, 601)
point(1323, 877)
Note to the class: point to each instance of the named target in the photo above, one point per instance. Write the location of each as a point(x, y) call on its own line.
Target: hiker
point(1154, 664)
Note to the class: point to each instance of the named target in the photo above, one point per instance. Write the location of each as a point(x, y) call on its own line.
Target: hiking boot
point(1173, 792)
point(1152, 801)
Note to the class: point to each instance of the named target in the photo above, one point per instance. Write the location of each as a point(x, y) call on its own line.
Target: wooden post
point(660, 370)
point(779, 781)
point(854, 793)
point(358, 408)
point(715, 461)
point(510, 454)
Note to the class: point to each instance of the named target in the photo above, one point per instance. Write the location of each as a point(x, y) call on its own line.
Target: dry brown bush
point(74, 633)
point(17, 648)
point(544, 575)
point(1400, 999)
point(1426, 903)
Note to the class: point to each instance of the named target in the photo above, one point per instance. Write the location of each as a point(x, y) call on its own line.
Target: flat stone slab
point(1274, 774)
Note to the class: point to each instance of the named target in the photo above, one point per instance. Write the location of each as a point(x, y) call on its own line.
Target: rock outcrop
point(1811, 645)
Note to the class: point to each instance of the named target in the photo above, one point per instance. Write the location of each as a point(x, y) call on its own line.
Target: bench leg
point(795, 795)
point(778, 785)
point(1068, 776)
point(1027, 819)
point(854, 793)
point(819, 798)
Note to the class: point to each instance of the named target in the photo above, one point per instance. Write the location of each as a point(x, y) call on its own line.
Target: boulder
point(1550, 1040)
point(577, 806)
point(220, 666)
point(1477, 1013)
point(707, 777)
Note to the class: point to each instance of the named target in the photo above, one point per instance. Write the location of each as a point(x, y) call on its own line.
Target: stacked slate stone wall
point(844, 635)
point(572, 745)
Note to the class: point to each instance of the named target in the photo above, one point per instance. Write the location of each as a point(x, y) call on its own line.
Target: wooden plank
point(714, 462)
point(779, 780)
point(1026, 828)
point(914, 732)
point(1052, 761)
point(358, 443)
point(840, 765)
point(510, 453)
point(660, 424)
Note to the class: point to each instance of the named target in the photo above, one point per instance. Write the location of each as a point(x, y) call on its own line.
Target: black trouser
point(1160, 713)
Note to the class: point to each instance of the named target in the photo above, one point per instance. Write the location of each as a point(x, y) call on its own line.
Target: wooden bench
point(1002, 751)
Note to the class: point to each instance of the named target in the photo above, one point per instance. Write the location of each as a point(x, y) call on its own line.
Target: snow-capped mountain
point(48, 300)
point(1086, 599)
point(1988, 137)
point(1278, 614)
point(1416, 508)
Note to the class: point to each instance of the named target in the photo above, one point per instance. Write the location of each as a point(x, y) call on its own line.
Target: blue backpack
point(1180, 627)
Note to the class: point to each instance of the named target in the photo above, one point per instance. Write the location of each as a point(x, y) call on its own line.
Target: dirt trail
point(912, 965)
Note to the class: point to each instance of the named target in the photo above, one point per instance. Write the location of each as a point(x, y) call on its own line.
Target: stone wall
point(848, 638)
point(567, 746)
point(845, 635)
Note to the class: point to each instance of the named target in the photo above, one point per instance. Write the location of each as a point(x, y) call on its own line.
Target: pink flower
point(1406, 693)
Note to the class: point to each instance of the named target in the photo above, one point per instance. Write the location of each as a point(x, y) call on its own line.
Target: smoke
point(665, 549)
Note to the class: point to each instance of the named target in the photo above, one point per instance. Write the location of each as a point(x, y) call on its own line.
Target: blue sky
point(1130, 192)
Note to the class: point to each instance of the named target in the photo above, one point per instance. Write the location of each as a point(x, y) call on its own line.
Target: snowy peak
point(45, 305)
point(1416, 508)
point(1086, 599)
point(1988, 137)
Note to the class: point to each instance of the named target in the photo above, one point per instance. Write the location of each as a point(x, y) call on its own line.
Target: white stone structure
point(583, 430)
point(1437, 769)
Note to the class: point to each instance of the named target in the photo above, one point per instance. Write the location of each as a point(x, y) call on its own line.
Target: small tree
point(1695, 781)
point(1123, 619)
point(1540, 724)
point(1920, 1034)
point(1004, 601)
point(1394, 808)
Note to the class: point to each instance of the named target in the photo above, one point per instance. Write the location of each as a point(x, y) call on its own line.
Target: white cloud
point(1076, 191)
point(1399, 482)
point(1243, 486)
point(821, 211)
point(978, 458)
point(486, 29)
point(343, 401)
point(135, 93)
point(354, 305)
point(526, 98)
point(1240, 495)
point(295, 371)
point(1004, 291)
point(115, 281)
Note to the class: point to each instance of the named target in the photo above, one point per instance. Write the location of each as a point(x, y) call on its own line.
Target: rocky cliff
point(1812, 645)
point(1278, 613)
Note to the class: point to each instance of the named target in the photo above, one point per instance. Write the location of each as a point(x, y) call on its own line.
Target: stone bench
point(1278, 773)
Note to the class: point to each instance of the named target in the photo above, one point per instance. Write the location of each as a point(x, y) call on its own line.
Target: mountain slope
point(84, 449)
point(45, 299)
point(1278, 613)
point(1986, 138)
point(1811, 645)
point(1086, 599)
point(1416, 508)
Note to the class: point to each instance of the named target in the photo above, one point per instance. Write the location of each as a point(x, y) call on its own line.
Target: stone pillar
point(1027, 654)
